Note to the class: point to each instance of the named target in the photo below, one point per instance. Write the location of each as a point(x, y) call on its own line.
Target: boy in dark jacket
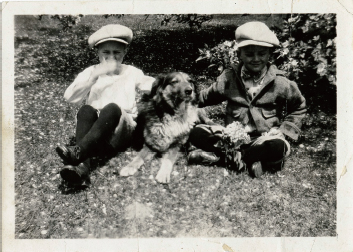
point(258, 96)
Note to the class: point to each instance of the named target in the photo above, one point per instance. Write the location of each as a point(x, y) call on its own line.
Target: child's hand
point(275, 132)
point(106, 67)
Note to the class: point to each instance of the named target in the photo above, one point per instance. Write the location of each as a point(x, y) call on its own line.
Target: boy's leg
point(96, 140)
point(86, 117)
point(92, 135)
point(205, 141)
point(270, 153)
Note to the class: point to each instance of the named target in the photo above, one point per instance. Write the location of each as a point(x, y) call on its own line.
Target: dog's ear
point(196, 89)
point(157, 88)
point(158, 84)
point(158, 96)
point(155, 85)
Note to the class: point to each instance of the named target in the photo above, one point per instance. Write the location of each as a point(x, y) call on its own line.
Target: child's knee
point(277, 147)
point(196, 134)
point(111, 109)
point(276, 144)
point(87, 112)
point(203, 139)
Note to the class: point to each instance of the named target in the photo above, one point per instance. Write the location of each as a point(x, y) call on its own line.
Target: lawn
point(200, 201)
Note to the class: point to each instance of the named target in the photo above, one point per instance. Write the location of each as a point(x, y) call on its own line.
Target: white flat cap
point(255, 33)
point(112, 32)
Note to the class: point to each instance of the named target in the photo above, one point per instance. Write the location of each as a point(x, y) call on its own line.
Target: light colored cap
point(255, 33)
point(112, 32)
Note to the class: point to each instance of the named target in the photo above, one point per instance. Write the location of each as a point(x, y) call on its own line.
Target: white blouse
point(119, 89)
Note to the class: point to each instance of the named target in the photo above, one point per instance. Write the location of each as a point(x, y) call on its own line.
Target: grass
point(204, 201)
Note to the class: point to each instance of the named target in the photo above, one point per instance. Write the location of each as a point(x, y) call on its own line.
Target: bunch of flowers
point(233, 137)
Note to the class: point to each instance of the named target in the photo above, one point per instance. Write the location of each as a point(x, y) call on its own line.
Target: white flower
point(234, 134)
point(227, 43)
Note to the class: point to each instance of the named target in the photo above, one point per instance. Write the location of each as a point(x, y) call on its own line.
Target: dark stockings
point(93, 132)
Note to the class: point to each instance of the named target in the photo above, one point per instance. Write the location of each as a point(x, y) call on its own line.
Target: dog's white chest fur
point(180, 124)
point(171, 129)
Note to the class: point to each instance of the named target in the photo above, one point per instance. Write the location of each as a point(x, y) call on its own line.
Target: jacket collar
point(246, 75)
point(272, 72)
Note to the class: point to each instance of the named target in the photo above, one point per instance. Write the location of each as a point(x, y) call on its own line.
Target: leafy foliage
point(193, 20)
point(114, 15)
point(66, 21)
point(174, 49)
point(308, 55)
point(62, 55)
point(220, 56)
point(308, 51)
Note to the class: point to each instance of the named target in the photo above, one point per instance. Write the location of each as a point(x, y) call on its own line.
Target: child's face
point(254, 57)
point(111, 50)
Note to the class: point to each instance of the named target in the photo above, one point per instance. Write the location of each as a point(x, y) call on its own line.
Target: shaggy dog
point(164, 121)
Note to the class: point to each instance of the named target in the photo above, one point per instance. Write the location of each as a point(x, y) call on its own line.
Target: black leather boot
point(76, 175)
point(202, 157)
point(71, 155)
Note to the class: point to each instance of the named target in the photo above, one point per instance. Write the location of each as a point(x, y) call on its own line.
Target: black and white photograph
point(192, 130)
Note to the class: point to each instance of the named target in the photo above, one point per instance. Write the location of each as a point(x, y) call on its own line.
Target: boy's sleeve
point(143, 82)
point(296, 109)
point(214, 94)
point(79, 89)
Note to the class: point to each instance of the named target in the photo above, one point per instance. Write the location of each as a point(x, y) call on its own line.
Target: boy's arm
point(213, 95)
point(81, 86)
point(296, 109)
point(144, 82)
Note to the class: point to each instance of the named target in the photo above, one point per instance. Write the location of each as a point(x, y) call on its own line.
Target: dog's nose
point(188, 91)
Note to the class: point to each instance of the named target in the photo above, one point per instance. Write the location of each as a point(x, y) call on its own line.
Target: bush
point(66, 21)
point(158, 51)
point(220, 56)
point(308, 55)
point(193, 20)
point(308, 51)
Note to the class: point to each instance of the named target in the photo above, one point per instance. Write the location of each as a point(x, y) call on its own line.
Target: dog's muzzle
point(188, 91)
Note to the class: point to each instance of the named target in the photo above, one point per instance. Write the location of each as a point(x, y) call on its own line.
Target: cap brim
point(111, 39)
point(253, 42)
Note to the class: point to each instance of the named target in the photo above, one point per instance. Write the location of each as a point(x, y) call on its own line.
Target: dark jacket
point(279, 103)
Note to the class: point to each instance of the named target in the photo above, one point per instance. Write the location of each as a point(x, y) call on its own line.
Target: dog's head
point(174, 89)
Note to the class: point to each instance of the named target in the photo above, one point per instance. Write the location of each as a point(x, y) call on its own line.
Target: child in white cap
point(106, 122)
point(258, 96)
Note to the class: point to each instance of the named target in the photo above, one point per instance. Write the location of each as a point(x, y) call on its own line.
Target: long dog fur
point(164, 121)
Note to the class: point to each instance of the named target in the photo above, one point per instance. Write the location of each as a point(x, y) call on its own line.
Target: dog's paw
point(163, 177)
point(128, 171)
